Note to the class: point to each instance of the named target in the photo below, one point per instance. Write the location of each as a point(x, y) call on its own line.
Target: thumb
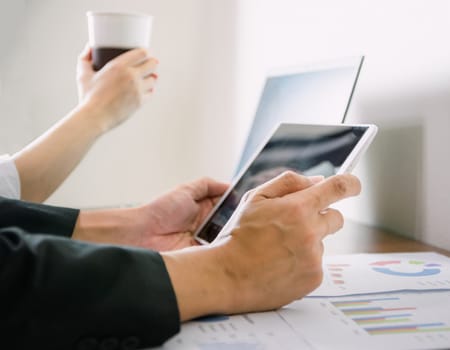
point(84, 64)
point(286, 183)
point(206, 188)
point(86, 54)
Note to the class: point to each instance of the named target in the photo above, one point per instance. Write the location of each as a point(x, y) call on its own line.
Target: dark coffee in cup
point(113, 33)
point(102, 55)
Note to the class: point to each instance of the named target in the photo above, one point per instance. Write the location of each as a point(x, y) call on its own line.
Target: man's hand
point(274, 254)
point(166, 223)
point(172, 219)
point(282, 227)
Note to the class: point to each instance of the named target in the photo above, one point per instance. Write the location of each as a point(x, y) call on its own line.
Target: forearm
point(45, 163)
point(113, 226)
point(56, 292)
point(202, 286)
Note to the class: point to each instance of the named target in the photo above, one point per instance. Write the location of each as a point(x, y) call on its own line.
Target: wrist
point(201, 284)
point(115, 226)
point(93, 116)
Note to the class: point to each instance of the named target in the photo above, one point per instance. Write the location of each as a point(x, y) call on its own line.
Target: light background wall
point(213, 57)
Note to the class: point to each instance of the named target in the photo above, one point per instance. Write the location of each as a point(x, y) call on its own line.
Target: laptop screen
point(315, 94)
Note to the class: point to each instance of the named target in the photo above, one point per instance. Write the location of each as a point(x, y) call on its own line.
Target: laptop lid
point(318, 93)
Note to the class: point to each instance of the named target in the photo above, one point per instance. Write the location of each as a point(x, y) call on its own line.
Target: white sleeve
point(9, 178)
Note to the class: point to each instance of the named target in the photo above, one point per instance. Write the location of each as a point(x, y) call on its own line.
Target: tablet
point(308, 149)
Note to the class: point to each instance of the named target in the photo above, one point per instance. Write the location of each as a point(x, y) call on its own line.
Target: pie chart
point(409, 268)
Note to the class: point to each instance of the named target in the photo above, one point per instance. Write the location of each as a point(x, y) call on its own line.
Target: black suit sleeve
point(56, 293)
point(33, 217)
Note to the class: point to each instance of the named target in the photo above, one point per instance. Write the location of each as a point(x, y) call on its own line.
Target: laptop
point(318, 93)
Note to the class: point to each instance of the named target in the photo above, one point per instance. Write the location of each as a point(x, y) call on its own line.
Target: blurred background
point(214, 55)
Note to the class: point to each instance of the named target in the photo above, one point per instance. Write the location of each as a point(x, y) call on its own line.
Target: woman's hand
point(118, 89)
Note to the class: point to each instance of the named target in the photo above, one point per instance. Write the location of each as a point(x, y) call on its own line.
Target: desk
point(303, 324)
point(358, 238)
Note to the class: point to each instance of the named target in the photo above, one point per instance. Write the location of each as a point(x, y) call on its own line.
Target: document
point(257, 331)
point(354, 274)
point(389, 301)
point(393, 321)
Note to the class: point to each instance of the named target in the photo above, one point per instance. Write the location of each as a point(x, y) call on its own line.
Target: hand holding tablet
point(306, 149)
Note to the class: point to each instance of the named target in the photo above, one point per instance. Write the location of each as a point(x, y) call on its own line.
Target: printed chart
point(397, 321)
point(366, 301)
point(386, 321)
point(384, 316)
point(377, 273)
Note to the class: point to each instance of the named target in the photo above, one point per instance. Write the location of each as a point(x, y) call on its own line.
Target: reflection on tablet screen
point(305, 149)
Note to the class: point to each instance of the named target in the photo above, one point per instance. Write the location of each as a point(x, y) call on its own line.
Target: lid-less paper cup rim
point(118, 14)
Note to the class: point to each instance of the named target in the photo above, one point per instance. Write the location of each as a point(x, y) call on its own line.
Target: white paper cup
point(113, 33)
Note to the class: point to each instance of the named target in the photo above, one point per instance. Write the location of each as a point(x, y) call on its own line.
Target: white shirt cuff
point(9, 178)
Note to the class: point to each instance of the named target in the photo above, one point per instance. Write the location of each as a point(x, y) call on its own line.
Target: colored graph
point(409, 268)
point(389, 315)
point(336, 272)
point(377, 273)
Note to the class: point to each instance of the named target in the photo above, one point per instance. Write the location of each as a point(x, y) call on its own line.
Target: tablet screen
point(305, 149)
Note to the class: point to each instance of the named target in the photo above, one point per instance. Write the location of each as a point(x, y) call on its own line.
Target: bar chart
point(377, 318)
point(407, 320)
